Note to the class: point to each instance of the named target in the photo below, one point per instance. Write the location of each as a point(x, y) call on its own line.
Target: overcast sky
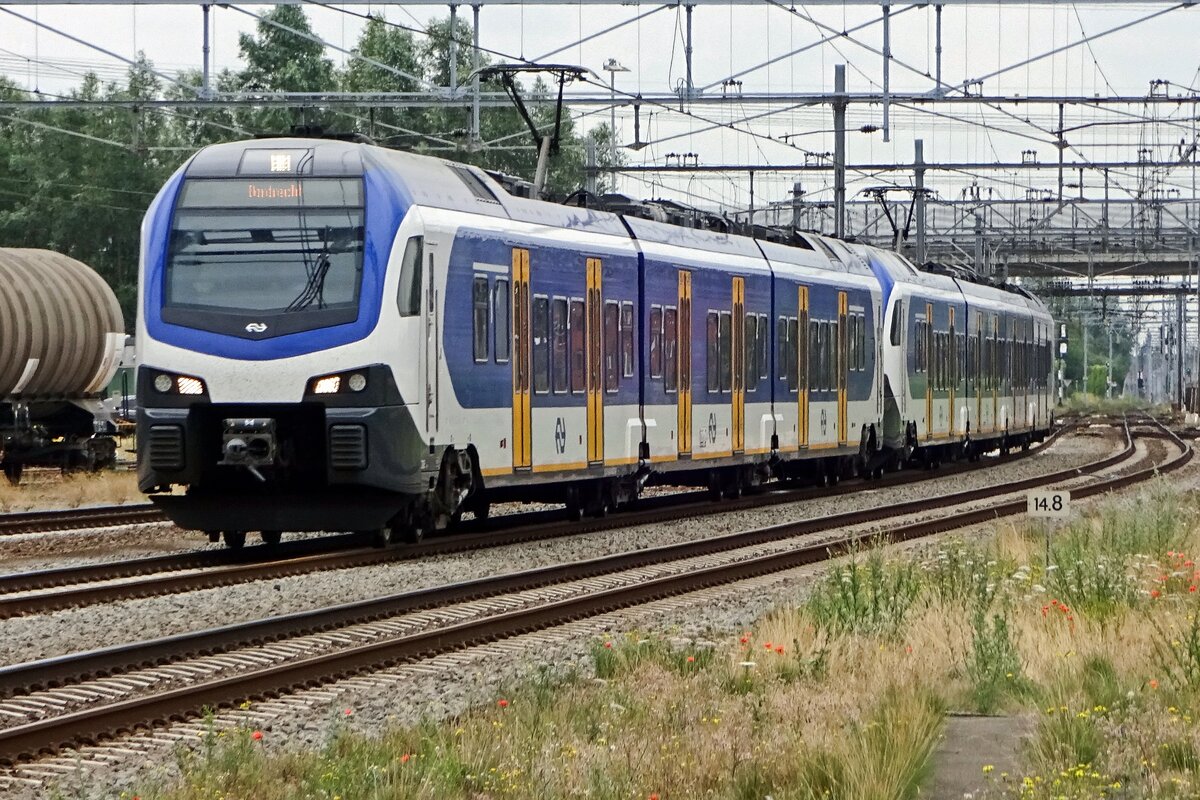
point(976, 41)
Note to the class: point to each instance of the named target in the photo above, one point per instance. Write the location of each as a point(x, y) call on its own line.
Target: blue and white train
point(336, 336)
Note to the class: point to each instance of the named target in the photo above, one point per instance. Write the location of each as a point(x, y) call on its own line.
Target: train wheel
point(235, 540)
point(12, 471)
point(413, 533)
point(271, 537)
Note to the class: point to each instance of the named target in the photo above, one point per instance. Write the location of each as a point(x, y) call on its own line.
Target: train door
point(738, 399)
point(952, 370)
point(930, 363)
point(522, 449)
point(595, 362)
point(801, 368)
point(843, 366)
point(684, 338)
point(995, 376)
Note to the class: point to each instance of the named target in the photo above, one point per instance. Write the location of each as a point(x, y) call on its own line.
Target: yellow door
point(521, 422)
point(801, 367)
point(843, 368)
point(595, 363)
point(952, 368)
point(739, 365)
point(683, 336)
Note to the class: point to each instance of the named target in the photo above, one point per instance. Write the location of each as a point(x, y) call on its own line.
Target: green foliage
point(867, 595)
point(79, 180)
point(994, 663)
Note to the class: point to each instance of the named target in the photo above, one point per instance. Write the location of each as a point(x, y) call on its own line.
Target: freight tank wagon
point(61, 337)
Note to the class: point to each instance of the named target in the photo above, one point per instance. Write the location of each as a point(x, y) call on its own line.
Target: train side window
point(627, 340)
point(578, 336)
point(656, 341)
point(750, 349)
point(541, 345)
point(670, 349)
point(725, 342)
point(764, 346)
point(501, 312)
point(712, 351)
point(897, 322)
point(862, 342)
point(852, 343)
point(781, 334)
point(833, 363)
point(612, 347)
point(813, 367)
point(479, 293)
point(558, 340)
point(409, 297)
point(793, 354)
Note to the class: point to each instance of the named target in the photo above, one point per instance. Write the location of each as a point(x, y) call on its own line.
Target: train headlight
point(357, 382)
point(187, 385)
point(163, 383)
point(328, 385)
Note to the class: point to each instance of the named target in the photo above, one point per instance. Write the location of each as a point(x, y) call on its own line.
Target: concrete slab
point(969, 743)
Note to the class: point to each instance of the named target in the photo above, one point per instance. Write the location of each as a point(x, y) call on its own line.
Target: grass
point(1092, 628)
point(48, 489)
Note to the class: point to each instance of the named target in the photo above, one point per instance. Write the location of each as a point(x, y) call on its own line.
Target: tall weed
point(868, 595)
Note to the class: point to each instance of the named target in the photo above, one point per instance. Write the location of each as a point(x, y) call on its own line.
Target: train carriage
point(338, 336)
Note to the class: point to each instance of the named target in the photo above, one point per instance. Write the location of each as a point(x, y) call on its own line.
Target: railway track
point(266, 658)
point(74, 519)
point(50, 590)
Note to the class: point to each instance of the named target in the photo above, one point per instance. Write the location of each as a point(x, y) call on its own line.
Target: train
point(335, 336)
point(61, 338)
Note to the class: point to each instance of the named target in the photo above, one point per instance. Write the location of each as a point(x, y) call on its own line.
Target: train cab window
point(541, 345)
point(750, 362)
point(558, 344)
point(612, 347)
point(897, 322)
point(713, 360)
point(725, 343)
point(501, 311)
point(627, 340)
point(479, 293)
point(409, 297)
point(656, 343)
point(764, 346)
point(578, 336)
point(670, 349)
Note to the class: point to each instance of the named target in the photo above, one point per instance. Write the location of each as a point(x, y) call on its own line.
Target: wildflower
point(348, 712)
point(653, 796)
point(256, 736)
point(691, 659)
point(987, 769)
point(767, 646)
point(608, 645)
point(745, 639)
point(1153, 684)
point(502, 703)
point(1155, 594)
point(1192, 588)
point(404, 758)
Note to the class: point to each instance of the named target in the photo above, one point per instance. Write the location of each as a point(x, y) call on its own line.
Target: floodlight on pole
point(612, 67)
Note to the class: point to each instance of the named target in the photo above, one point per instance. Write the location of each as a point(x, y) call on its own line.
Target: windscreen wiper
point(314, 287)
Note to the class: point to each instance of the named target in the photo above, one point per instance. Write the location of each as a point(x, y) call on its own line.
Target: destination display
point(263, 192)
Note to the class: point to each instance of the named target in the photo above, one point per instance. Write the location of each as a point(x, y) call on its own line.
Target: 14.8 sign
point(1054, 504)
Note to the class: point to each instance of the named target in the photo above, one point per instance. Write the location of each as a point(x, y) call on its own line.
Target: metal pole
point(612, 120)
point(687, 50)
point(204, 79)
point(475, 78)
point(1178, 352)
point(887, 72)
point(751, 219)
point(1061, 147)
point(590, 154)
point(919, 198)
point(980, 266)
point(1108, 383)
point(938, 49)
point(1084, 317)
point(453, 50)
point(839, 150)
point(797, 193)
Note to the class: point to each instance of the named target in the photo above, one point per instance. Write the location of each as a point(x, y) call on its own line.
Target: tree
point(280, 60)
point(394, 47)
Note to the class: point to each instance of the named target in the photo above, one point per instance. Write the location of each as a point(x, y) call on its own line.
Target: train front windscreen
point(265, 257)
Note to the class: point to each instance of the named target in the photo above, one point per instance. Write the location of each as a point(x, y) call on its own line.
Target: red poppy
point(767, 645)
point(404, 758)
point(608, 645)
point(256, 736)
point(502, 703)
point(653, 796)
point(691, 659)
point(745, 639)
point(1155, 594)
point(1153, 684)
point(779, 649)
point(348, 712)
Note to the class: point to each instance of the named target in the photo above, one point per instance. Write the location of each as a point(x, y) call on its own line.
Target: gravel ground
point(453, 683)
point(72, 630)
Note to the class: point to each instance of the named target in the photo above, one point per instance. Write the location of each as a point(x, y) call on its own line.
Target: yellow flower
point(987, 769)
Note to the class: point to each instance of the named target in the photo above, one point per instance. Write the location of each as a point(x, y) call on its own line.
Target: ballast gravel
point(72, 630)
